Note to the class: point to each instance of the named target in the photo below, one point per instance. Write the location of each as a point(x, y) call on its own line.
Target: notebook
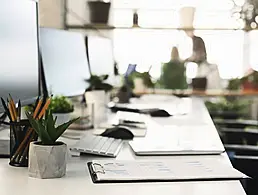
point(179, 141)
point(113, 171)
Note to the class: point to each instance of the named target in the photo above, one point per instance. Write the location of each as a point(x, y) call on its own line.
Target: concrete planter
point(47, 162)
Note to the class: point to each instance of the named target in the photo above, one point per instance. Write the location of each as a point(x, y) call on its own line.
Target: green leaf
point(45, 137)
point(50, 125)
point(46, 129)
point(38, 126)
point(61, 128)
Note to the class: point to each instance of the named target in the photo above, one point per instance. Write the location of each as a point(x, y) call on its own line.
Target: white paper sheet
point(176, 169)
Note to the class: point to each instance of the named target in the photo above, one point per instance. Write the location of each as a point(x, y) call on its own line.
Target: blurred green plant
point(60, 104)
point(226, 105)
point(145, 76)
point(98, 83)
point(234, 84)
point(173, 75)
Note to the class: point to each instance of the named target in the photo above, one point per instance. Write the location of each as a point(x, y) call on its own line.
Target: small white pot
point(95, 96)
point(47, 161)
point(62, 118)
point(139, 85)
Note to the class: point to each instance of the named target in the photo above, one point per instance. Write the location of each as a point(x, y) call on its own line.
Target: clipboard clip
point(97, 168)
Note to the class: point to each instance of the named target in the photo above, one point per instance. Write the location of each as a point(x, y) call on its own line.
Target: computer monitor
point(19, 60)
point(65, 64)
point(100, 55)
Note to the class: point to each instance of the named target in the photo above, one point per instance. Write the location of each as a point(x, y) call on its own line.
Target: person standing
point(205, 69)
point(199, 54)
point(173, 72)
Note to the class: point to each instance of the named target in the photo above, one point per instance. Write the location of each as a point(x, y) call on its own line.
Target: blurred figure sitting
point(173, 72)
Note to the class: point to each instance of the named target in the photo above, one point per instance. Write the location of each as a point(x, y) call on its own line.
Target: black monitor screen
point(19, 50)
point(101, 57)
point(64, 61)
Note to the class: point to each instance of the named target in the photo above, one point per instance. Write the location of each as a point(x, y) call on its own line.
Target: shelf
point(109, 27)
point(91, 27)
point(174, 28)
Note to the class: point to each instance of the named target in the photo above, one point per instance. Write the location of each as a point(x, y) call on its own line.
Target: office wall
point(78, 14)
point(51, 13)
point(80, 7)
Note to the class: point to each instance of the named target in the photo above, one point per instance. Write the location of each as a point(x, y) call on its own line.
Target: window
point(151, 45)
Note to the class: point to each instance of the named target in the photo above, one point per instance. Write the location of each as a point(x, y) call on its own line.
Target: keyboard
point(98, 145)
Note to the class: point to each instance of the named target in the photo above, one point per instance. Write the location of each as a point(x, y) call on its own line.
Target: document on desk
point(178, 141)
point(112, 171)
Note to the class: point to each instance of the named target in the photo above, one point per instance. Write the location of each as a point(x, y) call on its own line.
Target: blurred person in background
point(173, 72)
point(205, 69)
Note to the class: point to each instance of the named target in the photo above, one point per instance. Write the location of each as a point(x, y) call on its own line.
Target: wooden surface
point(207, 93)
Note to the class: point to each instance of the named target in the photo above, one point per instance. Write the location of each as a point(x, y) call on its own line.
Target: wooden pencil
point(30, 130)
point(45, 107)
point(11, 112)
point(36, 111)
point(13, 107)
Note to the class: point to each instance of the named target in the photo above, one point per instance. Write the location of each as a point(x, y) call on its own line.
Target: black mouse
point(159, 113)
point(118, 133)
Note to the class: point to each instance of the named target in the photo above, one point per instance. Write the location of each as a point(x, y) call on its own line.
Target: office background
point(232, 50)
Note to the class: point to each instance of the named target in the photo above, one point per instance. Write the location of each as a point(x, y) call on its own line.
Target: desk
point(207, 93)
point(77, 181)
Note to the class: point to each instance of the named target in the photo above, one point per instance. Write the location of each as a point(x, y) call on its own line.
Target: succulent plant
point(46, 128)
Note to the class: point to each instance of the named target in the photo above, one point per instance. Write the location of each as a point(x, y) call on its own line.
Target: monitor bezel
point(33, 99)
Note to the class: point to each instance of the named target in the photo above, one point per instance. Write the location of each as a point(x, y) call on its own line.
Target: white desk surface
point(15, 180)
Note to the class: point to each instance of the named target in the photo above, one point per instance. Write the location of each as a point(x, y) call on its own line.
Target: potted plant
point(99, 11)
point(97, 95)
point(250, 81)
point(61, 107)
point(98, 90)
point(140, 81)
point(47, 157)
point(228, 108)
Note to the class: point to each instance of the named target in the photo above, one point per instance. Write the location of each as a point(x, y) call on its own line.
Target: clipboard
point(100, 174)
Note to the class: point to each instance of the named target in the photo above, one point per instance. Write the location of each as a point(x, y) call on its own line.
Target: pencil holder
point(21, 134)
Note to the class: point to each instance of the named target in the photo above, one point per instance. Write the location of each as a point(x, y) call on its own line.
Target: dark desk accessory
point(18, 131)
point(159, 113)
point(118, 133)
point(154, 112)
point(199, 83)
point(123, 95)
point(124, 109)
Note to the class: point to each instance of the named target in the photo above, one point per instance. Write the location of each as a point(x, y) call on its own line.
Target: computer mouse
point(159, 113)
point(118, 133)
